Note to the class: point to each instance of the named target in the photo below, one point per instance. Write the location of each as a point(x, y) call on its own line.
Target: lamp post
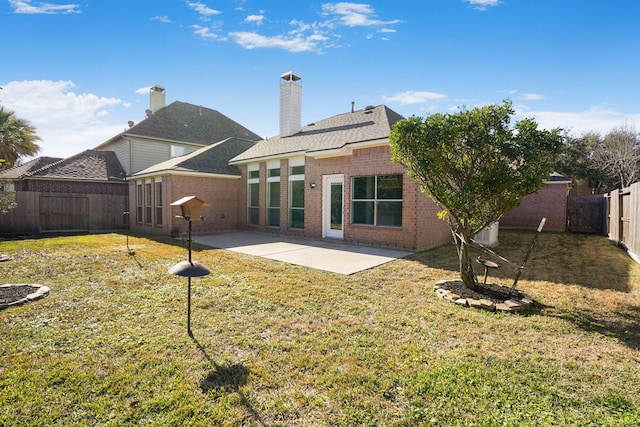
point(190, 207)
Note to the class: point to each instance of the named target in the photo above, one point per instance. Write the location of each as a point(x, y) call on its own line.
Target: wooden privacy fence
point(587, 214)
point(624, 218)
point(45, 212)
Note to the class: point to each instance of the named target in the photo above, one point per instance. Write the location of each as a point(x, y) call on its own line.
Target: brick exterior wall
point(550, 202)
point(72, 187)
point(420, 229)
point(221, 193)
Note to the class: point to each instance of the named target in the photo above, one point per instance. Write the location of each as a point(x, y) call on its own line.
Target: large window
point(147, 203)
point(273, 196)
point(253, 199)
point(158, 202)
point(296, 195)
point(139, 202)
point(377, 200)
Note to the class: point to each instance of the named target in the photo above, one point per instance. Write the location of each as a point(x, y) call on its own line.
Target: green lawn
point(281, 345)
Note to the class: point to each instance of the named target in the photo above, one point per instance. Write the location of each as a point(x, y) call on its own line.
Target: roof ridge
point(45, 167)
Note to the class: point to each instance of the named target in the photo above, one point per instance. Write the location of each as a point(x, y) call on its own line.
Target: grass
point(281, 345)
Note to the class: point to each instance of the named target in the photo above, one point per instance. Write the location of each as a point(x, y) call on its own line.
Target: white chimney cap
point(290, 76)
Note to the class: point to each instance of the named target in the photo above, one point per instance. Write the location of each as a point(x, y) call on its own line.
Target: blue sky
point(79, 71)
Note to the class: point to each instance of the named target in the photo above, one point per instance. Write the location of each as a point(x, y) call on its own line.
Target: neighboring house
point(549, 202)
point(83, 192)
point(206, 173)
point(171, 131)
point(335, 179)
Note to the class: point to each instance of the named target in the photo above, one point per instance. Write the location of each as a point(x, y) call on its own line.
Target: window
point(158, 202)
point(296, 196)
point(377, 200)
point(273, 194)
point(139, 202)
point(253, 196)
point(147, 204)
point(275, 172)
point(273, 208)
point(178, 150)
point(296, 170)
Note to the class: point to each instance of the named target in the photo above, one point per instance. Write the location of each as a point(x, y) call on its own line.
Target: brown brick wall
point(75, 187)
point(550, 202)
point(221, 193)
point(365, 162)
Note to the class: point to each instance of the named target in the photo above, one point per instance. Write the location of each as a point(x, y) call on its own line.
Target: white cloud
point(254, 19)
point(483, 4)
point(413, 97)
point(208, 33)
point(596, 119)
point(532, 96)
point(67, 122)
point(305, 37)
point(163, 19)
point(203, 10)
point(143, 90)
point(293, 43)
point(30, 7)
point(354, 14)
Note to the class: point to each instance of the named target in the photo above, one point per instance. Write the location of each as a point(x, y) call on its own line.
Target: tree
point(475, 166)
point(17, 138)
point(577, 160)
point(618, 155)
point(7, 199)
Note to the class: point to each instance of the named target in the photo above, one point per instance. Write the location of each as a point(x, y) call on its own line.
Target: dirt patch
point(487, 296)
point(489, 291)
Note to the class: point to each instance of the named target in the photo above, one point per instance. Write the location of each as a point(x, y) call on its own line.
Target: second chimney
point(290, 104)
point(156, 98)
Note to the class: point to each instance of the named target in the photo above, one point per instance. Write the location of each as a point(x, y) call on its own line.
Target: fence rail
point(623, 207)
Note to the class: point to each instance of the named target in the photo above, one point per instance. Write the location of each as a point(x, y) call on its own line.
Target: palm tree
point(17, 138)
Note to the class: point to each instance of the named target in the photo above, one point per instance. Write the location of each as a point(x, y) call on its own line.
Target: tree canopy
point(475, 165)
point(618, 156)
point(17, 138)
point(608, 162)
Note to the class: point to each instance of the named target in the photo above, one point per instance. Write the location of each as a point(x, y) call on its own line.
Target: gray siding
point(147, 153)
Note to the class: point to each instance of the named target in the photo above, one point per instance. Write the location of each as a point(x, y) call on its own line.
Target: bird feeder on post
point(190, 208)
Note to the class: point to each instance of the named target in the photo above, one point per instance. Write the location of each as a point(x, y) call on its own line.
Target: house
point(205, 172)
point(86, 191)
point(334, 179)
point(89, 191)
point(171, 131)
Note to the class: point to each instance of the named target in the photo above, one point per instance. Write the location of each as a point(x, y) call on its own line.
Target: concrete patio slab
point(326, 255)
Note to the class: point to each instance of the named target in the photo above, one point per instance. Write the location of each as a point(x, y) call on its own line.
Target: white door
point(333, 206)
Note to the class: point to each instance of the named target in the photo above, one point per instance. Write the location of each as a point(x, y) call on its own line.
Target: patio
point(327, 255)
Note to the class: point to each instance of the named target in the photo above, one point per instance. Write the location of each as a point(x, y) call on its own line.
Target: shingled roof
point(180, 121)
point(19, 172)
point(212, 159)
point(90, 165)
point(367, 125)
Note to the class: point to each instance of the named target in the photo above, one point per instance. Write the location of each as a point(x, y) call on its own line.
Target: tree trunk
point(466, 268)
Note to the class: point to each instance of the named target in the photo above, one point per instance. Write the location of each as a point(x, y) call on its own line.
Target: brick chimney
point(290, 104)
point(157, 98)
